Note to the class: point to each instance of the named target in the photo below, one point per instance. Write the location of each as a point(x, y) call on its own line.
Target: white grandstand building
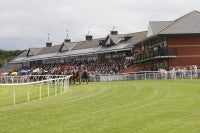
point(114, 44)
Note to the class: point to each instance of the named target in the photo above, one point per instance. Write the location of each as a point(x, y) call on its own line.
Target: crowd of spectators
point(184, 68)
point(99, 66)
point(107, 65)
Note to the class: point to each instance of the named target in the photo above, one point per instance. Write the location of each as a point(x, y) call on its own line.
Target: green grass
point(132, 106)
point(6, 93)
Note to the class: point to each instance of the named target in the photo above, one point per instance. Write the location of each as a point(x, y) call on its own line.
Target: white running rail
point(38, 89)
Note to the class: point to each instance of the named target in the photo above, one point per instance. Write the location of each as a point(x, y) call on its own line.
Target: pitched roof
point(87, 44)
point(131, 38)
point(24, 54)
point(48, 50)
point(189, 23)
point(157, 26)
point(33, 51)
point(135, 37)
point(66, 46)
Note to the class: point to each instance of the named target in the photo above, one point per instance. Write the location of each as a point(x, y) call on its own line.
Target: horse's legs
point(88, 79)
point(71, 80)
point(74, 81)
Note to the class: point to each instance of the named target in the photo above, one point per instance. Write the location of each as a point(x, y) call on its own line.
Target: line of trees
point(8, 56)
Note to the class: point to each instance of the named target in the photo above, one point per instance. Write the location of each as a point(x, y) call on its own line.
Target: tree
point(8, 56)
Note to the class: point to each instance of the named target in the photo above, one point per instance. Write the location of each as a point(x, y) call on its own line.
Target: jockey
point(84, 70)
point(75, 69)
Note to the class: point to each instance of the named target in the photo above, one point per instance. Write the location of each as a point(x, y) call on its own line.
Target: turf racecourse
point(132, 106)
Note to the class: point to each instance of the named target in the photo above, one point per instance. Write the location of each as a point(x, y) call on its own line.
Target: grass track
point(132, 106)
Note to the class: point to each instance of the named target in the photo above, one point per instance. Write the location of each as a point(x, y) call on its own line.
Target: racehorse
point(75, 77)
point(85, 76)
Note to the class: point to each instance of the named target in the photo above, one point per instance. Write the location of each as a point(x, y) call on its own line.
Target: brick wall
point(186, 48)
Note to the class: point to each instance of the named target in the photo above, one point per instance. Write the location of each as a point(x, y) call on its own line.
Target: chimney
point(67, 38)
point(48, 43)
point(113, 31)
point(88, 37)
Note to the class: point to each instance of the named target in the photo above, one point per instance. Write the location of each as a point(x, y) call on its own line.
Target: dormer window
point(124, 39)
point(29, 53)
point(64, 48)
point(101, 42)
point(108, 41)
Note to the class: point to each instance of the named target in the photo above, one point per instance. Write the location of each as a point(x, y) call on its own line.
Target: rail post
point(14, 96)
point(28, 95)
point(55, 87)
point(40, 93)
point(48, 92)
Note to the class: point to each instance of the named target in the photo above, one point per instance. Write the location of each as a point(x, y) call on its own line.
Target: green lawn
point(132, 106)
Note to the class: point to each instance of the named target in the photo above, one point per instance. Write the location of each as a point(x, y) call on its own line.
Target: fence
point(28, 78)
point(148, 75)
point(18, 90)
point(143, 75)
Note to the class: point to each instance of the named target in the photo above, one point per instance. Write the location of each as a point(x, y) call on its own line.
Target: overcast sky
point(26, 23)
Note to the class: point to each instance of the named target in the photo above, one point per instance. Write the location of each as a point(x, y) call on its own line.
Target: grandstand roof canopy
point(94, 46)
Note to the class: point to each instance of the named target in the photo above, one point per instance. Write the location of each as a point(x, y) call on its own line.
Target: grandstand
point(166, 44)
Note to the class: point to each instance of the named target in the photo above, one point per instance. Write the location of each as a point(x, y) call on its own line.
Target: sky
point(26, 23)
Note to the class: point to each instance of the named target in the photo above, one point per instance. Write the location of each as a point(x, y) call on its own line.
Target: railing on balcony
point(161, 53)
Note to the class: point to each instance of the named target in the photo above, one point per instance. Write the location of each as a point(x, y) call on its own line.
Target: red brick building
point(170, 43)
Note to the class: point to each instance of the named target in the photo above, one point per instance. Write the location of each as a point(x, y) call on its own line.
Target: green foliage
point(8, 55)
point(159, 106)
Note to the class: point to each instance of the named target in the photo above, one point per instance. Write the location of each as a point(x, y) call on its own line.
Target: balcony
point(158, 54)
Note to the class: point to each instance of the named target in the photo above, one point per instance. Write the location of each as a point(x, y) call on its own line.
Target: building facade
point(170, 44)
